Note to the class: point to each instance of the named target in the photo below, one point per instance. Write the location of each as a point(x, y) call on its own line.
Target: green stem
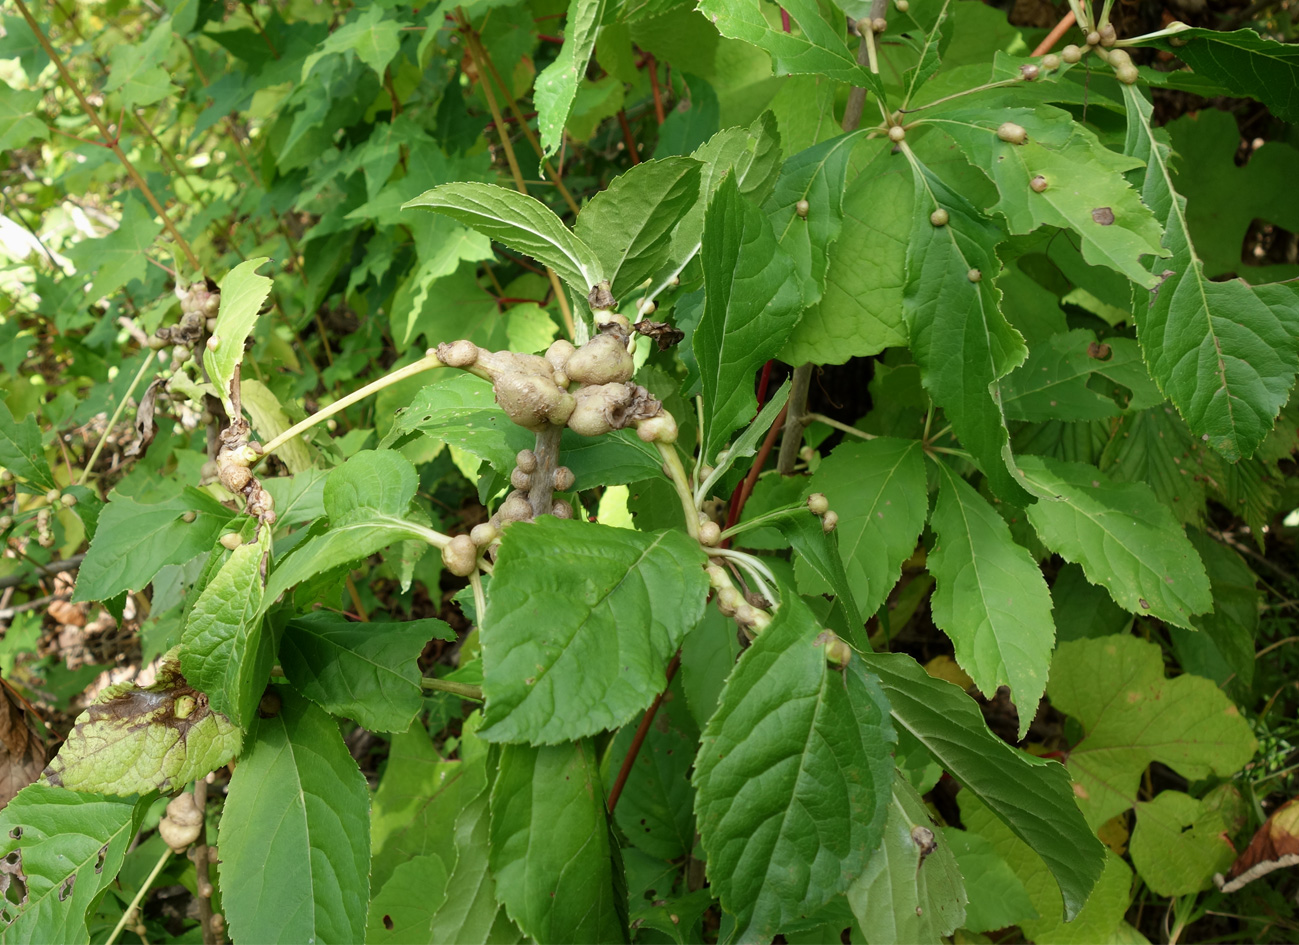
point(426, 363)
point(117, 415)
point(677, 473)
point(831, 422)
point(480, 599)
point(947, 98)
point(135, 903)
point(763, 519)
point(463, 690)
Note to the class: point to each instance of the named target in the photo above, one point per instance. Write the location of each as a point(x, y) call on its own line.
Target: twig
point(54, 567)
point(642, 730)
point(795, 421)
point(831, 422)
point(653, 67)
point(628, 138)
point(745, 488)
point(1053, 37)
point(10, 612)
point(117, 414)
point(202, 880)
point(110, 141)
point(129, 914)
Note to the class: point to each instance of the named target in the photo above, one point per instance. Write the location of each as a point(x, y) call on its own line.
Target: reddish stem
point(784, 19)
point(654, 87)
point(547, 38)
point(628, 137)
point(1053, 37)
point(642, 730)
point(763, 381)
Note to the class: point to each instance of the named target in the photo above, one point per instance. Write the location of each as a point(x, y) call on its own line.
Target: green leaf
point(746, 444)
point(819, 551)
point(420, 291)
point(1155, 447)
point(752, 303)
point(134, 540)
point(520, 222)
point(997, 897)
point(1230, 628)
point(139, 71)
point(1121, 535)
point(1084, 180)
point(1032, 797)
point(629, 224)
point(135, 740)
point(581, 622)
point(1178, 843)
point(1241, 61)
point(469, 916)
point(1225, 353)
point(960, 339)
point(119, 256)
point(403, 910)
point(878, 490)
point(557, 84)
point(242, 293)
point(19, 121)
point(656, 808)
point(67, 848)
point(21, 450)
point(269, 421)
point(569, 888)
point(367, 500)
point(374, 40)
point(816, 47)
point(816, 176)
point(361, 671)
point(990, 597)
point(1052, 383)
point(794, 777)
point(295, 832)
point(860, 312)
point(906, 894)
point(225, 651)
point(1099, 920)
point(1132, 715)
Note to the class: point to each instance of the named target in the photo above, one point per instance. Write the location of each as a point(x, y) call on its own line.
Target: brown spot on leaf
point(1104, 216)
point(387, 922)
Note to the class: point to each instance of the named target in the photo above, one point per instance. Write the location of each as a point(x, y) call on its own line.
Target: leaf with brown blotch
point(24, 751)
point(1275, 845)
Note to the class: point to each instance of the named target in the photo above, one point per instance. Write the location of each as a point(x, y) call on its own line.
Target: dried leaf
point(24, 751)
point(1275, 845)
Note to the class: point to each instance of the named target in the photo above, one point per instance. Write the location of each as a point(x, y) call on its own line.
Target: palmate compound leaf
point(751, 305)
point(556, 86)
point(569, 887)
point(295, 833)
point(136, 740)
point(794, 777)
point(912, 889)
point(134, 540)
point(1123, 537)
point(1085, 189)
point(1032, 797)
point(960, 339)
point(1225, 353)
point(520, 222)
point(581, 623)
point(362, 671)
point(60, 850)
point(242, 293)
point(989, 597)
point(1131, 715)
point(225, 649)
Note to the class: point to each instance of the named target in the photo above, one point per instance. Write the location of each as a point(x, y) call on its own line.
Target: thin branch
point(117, 415)
point(642, 730)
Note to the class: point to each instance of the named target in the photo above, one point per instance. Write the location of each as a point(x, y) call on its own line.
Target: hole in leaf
point(99, 860)
point(65, 888)
point(387, 922)
point(16, 833)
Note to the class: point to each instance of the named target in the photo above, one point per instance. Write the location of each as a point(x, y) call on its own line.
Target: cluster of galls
point(1101, 42)
point(234, 471)
point(199, 304)
point(819, 506)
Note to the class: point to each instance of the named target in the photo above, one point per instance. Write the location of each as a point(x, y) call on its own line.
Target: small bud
point(1012, 133)
point(729, 600)
point(157, 343)
point(210, 324)
point(829, 521)
point(818, 503)
point(1093, 38)
point(602, 360)
point(710, 533)
point(646, 308)
point(6, 521)
point(559, 353)
point(461, 556)
point(563, 479)
point(974, 275)
point(182, 823)
point(516, 508)
point(801, 208)
point(1029, 72)
point(52, 496)
point(1108, 36)
point(1127, 73)
point(897, 134)
point(1038, 184)
point(901, 5)
point(1050, 62)
point(1118, 57)
point(213, 343)
point(879, 24)
point(180, 354)
point(484, 534)
point(836, 650)
point(1178, 41)
point(520, 480)
point(561, 509)
point(457, 353)
point(526, 460)
point(864, 26)
point(231, 540)
point(674, 281)
point(1071, 54)
point(68, 500)
point(939, 217)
